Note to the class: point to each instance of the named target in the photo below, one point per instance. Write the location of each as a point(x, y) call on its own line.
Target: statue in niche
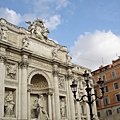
point(9, 105)
point(38, 112)
point(38, 29)
point(62, 107)
point(11, 71)
point(25, 41)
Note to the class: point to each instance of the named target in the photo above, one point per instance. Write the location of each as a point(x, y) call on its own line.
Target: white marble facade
point(35, 76)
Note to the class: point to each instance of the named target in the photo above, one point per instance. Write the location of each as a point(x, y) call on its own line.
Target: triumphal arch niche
point(36, 74)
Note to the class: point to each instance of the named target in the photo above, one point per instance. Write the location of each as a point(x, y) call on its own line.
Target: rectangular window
point(109, 112)
point(104, 78)
point(106, 89)
point(117, 97)
point(116, 85)
point(113, 74)
point(106, 100)
point(118, 110)
point(98, 113)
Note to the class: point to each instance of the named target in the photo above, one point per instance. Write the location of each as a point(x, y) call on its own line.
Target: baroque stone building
point(35, 76)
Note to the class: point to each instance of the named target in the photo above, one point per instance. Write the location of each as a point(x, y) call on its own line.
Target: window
point(113, 74)
point(116, 85)
point(98, 113)
point(118, 110)
point(104, 78)
point(106, 89)
point(117, 97)
point(109, 112)
point(106, 100)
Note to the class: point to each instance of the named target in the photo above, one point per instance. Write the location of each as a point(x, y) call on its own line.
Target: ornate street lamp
point(89, 95)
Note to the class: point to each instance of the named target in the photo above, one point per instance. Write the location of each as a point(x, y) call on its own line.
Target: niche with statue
point(10, 102)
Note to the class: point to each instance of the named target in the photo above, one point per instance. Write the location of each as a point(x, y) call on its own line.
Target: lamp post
point(89, 95)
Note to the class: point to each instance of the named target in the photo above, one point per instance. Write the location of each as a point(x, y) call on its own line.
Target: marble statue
point(9, 105)
point(38, 112)
point(25, 41)
point(62, 107)
point(38, 29)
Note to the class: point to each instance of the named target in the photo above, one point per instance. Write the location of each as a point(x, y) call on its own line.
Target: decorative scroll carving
point(61, 82)
point(62, 107)
point(38, 112)
point(11, 70)
point(3, 57)
point(38, 29)
point(9, 105)
point(25, 41)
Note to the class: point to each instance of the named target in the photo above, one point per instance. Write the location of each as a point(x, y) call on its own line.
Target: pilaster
point(56, 92)
point(2, 78)
point(71, 98)
point(24, 66)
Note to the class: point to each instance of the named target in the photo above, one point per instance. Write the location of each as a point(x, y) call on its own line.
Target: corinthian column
point(24, 66)
point(2, 78)
point(71, 98)
point(56, 92)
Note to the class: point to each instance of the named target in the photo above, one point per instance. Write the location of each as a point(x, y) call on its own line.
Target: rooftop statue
point(38, 29)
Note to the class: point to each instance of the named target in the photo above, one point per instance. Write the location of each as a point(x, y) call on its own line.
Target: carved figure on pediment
point(55, 52)
point(25, 41)
point(31, 28)
point(68, 58)
point(38, 29)
point(11, 71)
point(9, 105)
point(3, 30)
point(38, 112)
point(62, 107)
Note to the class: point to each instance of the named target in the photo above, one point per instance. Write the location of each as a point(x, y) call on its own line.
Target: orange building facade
point(109, 107)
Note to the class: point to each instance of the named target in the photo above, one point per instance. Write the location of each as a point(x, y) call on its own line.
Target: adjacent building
point(36, 74)
point(109, 107)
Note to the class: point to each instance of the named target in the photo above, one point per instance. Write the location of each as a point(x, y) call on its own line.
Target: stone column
point(56, 92)
point(49, 106)
point(2, 78)
point(71, 97)
point(24, 65)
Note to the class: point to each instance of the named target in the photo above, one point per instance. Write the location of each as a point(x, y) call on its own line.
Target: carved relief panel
point(11, 70)
point(61, 82)
point(10, 103)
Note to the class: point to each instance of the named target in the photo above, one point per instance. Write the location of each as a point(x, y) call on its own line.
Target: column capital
point(3, 57)
point(24, 63)
point(55, 70)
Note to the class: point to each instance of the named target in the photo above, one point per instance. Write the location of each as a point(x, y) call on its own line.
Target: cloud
point(94, 49)
point(53, 22)
point(10, 16)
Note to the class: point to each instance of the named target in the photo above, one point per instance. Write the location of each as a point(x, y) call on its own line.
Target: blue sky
point(89, 28)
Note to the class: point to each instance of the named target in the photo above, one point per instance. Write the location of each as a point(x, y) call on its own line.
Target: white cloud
point(53, 22)
point(10, 16)
point(94, 49)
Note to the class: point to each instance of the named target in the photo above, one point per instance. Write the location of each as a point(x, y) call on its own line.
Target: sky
point(90, 29)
